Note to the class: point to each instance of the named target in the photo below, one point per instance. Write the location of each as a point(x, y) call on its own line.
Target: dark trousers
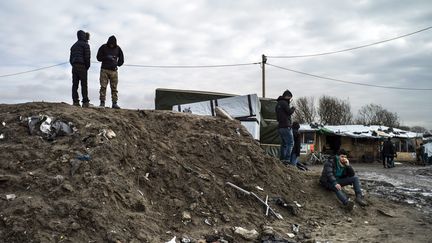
point(79, 73)
point(388, 161)
point(354, 180)
point(287, 143)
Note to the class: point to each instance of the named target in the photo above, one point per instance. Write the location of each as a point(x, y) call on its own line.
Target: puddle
point(411, 186)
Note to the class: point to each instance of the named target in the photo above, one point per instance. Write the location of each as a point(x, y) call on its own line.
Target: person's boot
point(86, 104)
point(349, 206)
point(361, 201)
point(102, 103)
point(76, 104)
point(115, 106)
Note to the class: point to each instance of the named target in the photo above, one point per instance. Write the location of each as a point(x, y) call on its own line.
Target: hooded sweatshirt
point(283, 112)
point(110, 54)
point(80, 51)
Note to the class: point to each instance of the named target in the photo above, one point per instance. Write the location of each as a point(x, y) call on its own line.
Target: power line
point(344, 81)
point(353, 48)
point(32, 70)
point(192, 66)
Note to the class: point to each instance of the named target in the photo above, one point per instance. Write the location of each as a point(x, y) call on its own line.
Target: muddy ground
point(164, 174)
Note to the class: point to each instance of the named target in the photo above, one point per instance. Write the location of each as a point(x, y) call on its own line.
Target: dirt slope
point(164, 174)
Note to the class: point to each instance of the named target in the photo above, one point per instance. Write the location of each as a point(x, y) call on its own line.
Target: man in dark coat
point(337, 172)
point(111, 56)
point(283, 114)
point(80, 61)
point(389, 152)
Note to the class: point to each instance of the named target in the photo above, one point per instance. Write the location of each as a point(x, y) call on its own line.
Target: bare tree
point(305, 110)
point(334, 111)
point(418, 129)
point(373, 114)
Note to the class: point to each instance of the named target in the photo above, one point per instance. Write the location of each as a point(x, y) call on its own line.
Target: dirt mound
point(145, 176)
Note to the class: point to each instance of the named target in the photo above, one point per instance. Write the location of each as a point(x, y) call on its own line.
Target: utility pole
point(263, 63)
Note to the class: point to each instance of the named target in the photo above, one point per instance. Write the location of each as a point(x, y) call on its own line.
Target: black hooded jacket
point(110, 54)
point(80, 51)
point(283, 112)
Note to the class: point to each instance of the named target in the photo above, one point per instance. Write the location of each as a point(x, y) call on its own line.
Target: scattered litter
point(2, 136)
point(140, 192)
point(185, 240)
point(366, 222)
point(246, 234)
point(297, 204)
point(107, 133)
point(173, 240)
point(295, 228)
point(10, 197)
point(291, 235)
point(238, 131)
point(4, 124)
point(207, 221)
point(186, 216)
point(349, 220)
point(259, 188)
point(85, 157)
point(146, 176)
point(277, 215)
point(48, 127)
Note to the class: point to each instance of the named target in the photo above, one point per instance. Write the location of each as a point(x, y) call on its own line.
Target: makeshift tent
point(245, 108)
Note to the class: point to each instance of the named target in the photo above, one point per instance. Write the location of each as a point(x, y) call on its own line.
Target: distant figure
point(283, 114)
point(80, 61)
point(111, 56)
point(295, 153)
point(388, 153)
point(337, 172)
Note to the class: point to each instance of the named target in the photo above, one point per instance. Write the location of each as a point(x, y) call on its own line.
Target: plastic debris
point(85, 157)
point(246, 234)
point(47, 126)
point(291, 235)
point(4, 124)
point(108, 133)
point(10, 197)
point(295, 228)
point(173, 240)
point(2, 136)
point(259, 188)
point(297, 204)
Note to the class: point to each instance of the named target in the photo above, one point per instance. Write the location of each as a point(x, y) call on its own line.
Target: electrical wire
point(347, 82)
point(353, 48)
point(32, 70)
point(192, 66)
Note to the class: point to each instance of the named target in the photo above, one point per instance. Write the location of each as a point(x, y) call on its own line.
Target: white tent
point(244, 108)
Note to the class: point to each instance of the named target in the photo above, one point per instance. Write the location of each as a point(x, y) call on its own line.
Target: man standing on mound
point(111, 56)
point(337, 173)
point(80, 60)
point(283, 115)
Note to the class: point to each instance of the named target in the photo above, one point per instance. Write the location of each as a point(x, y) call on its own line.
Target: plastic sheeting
point(48, 127)
point(245, 108)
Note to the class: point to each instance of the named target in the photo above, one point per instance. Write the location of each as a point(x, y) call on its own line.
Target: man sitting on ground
point(337, 172)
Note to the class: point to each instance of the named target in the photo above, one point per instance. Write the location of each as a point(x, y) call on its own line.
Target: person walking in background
point(111, 56)
point(80, 60)
point(337, 173)
point(389, 152)
point(283, 114)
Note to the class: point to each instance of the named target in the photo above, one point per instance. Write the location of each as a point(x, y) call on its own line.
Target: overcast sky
point(40, 33)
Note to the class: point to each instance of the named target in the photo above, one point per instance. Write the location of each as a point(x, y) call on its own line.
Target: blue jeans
point(354, 180)
point(287, 143)
point(294, 159)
